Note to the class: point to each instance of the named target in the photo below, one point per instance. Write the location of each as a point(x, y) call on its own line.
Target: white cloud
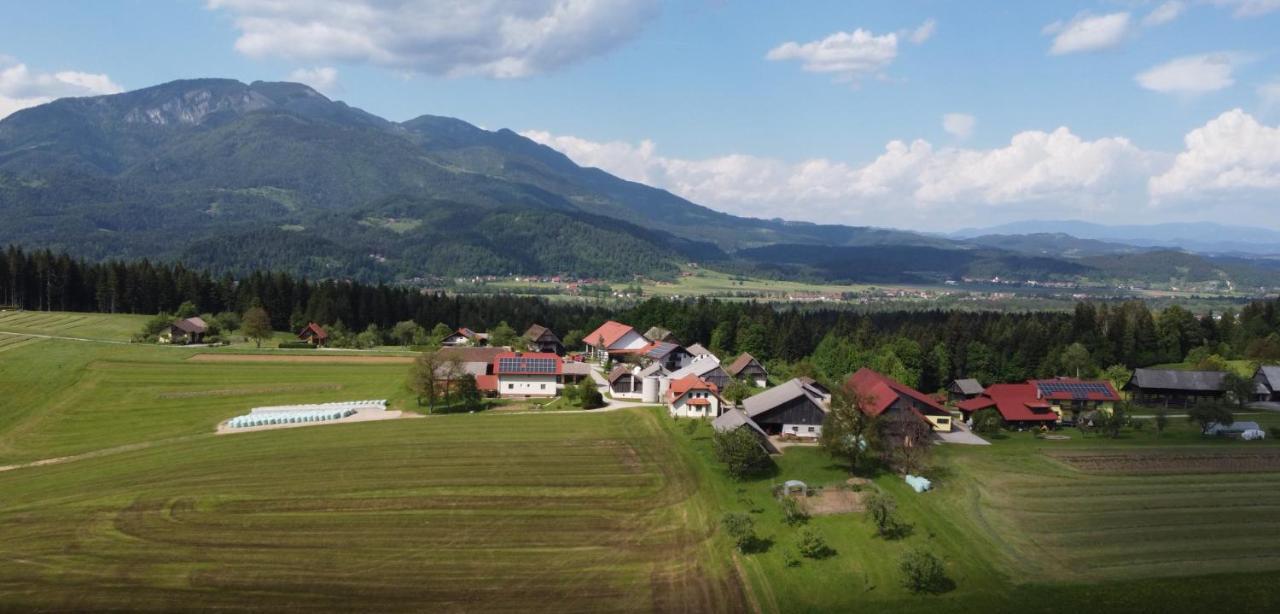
point(1231, 157)
point(1249, 8)
point(1165, 13)
point(923, 33)
point(21, 88)
point(850, 56)
point(959, 125)
point(1193, 74)
point(322, 78)
point(1088, 32)
point(491, 38)
point(909, 183)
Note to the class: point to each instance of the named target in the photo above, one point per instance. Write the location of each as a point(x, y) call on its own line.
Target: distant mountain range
point(236, 177)
point(1201, 237)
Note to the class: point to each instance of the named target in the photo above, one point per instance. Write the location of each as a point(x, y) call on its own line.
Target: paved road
point(961, 435)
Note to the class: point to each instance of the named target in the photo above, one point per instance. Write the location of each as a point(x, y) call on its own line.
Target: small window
point(811, 429)
point(795, 429)
point(511, 386)
point(544, 387)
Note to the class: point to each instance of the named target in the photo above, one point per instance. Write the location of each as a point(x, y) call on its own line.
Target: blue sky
point(706, 98)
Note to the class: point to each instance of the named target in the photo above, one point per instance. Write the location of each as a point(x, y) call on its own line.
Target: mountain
point(1201, 237)
point(235, 175)
point(238, 177)
point(1054, 245)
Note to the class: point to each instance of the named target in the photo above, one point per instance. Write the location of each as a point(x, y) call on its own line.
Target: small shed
point(963, 389)
point(794, 486)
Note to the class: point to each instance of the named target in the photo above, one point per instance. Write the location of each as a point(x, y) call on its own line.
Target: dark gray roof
point(968, 386)
point(699, 367)
point(791, 389)
point(1172, 379)
point(1272, 374)
point(735, 419)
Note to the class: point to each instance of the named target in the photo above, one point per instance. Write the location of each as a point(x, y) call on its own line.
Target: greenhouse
point(299, 414)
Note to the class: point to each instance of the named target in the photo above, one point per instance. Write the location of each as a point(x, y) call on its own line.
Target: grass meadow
point(147, 509)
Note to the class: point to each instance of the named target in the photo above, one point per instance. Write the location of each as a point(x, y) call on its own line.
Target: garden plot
point(1174, 461)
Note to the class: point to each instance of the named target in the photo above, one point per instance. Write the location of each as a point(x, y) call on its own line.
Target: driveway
point(961, 435)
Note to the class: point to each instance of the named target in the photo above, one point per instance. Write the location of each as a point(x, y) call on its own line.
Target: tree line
point(924, 348)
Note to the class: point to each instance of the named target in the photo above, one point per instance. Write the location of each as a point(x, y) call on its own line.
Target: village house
point(1020, 405)
point(314, 334)
point(465, 337)
point(477, 362)
point(527, 374)
point(1173, 388)
point(792, 409)
point(706, 367)
point(733, 419)
point(884, 396)
point(697, 350)
point(693, 397)
point(1076, 396)
point(746, 368)
point(1266, 383)
point(573, 372)
point(189, 330)
point(613, 339)
point(658, 334)
point(669, 355)
point(540, 339)
point(962, 389)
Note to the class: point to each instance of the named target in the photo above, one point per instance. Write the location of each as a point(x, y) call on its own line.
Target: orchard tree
point(422, 377)
point(256, 325)
point(740, 451)
point(848, 433)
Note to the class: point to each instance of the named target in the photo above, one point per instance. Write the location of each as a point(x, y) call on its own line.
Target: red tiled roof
point(1015, 402)
point(611, 332)
point(487, 383)
point(687, 383)
point(315, 330)
point(698, 402)
point(740, 363)
point(881, 391)
point(527, 363)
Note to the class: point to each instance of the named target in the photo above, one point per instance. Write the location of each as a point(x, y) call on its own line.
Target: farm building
point(792, 408)
point(669, 355)
point(697, 350)
point(1019, 405)
point(574, 372)
point(465, 337)
point(624, 382)
point(658, 334)
point(693, 397)
point(1076, 396)
point(745, 367)
point(815, 384)
point(1266, 383)
point(540, 339)
point(613, 339)
point(706, 367)
point(189, 330)
point(962, 389)
point(1172, 388)
point(1236, 429)
point(733, 419)
point(527, 374)
point(314, 334)
point(885, 396)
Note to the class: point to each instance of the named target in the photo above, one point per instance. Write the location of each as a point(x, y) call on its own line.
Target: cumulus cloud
point(1249, 8)
point(850, 56)
point(1165, 13)
point(959, 125)
point(1231, 157)
point(20, 87)
point(1193, 74)
point(909, 182)
point(323, 79)
point(1087, 32)
point(491, 38)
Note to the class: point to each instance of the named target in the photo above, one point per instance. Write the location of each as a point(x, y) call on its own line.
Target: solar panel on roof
point(527, 365)
point(1078, 390)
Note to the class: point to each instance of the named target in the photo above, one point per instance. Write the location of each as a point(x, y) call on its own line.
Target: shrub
point(883, 512)
point(792, 513)
point(741, 529)
point(987, 421)
point(789, 558)
point(922, 572)
point(741, 453)
point(812, 545)
point(295, 345)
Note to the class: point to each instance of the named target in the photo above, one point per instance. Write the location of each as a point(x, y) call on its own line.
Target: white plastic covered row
point(299, 414)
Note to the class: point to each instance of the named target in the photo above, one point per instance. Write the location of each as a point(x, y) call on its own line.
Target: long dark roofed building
point(1174, 388)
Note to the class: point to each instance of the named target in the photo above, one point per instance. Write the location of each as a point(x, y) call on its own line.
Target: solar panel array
point(1077, 390)
point(521, 364)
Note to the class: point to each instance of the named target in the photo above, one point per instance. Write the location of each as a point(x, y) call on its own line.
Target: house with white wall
point(614, 339)
point(527, 374)
point(694, 397)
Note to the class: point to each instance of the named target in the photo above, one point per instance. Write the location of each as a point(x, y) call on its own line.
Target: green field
point(144, 508)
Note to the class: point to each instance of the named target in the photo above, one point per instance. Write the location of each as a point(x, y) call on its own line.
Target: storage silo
point(649, 389)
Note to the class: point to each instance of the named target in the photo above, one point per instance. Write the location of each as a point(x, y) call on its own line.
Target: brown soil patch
point(294, 358)
point(833, 501)
point(1179, 461)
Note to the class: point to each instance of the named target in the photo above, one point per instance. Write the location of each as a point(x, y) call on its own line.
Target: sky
point(928, 114)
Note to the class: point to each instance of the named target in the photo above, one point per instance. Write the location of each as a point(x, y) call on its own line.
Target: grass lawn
point(107, 327)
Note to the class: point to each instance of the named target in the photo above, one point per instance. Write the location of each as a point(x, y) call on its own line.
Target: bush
point(922, 572)
point(883, 513)
point(789, 558)
point(987, 421)
point(741, 529)
point(812, 545)
point(296, 345)
point(792, 513)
